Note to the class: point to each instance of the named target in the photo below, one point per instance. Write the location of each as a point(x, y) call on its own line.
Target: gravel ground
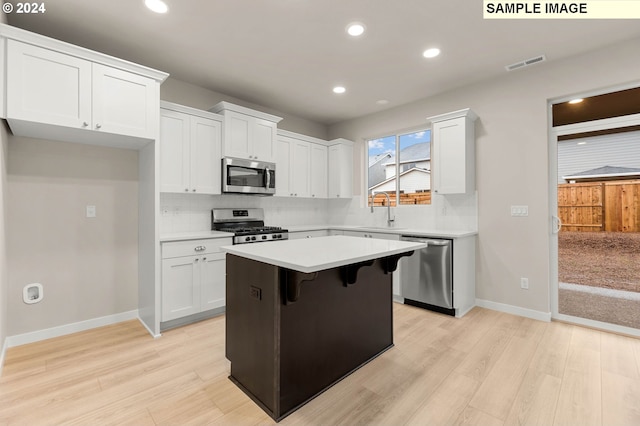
point(600, 259)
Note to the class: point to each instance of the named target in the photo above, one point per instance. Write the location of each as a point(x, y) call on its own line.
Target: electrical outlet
point(91, 211)
point(524, 283)
point(519, 210)
point(255, 293)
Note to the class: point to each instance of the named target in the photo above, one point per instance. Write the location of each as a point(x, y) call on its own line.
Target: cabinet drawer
point(193, 247)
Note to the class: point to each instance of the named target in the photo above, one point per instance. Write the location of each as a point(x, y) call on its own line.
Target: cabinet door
point(283, 167)
point(318, 171)
point(340, 171)
point(47, 87)
point(174, 151)
point(236, 135)
point(124, 103)
point(449, 156)
point(180, 287)
point(212, 281)
point(300, 164)
point(205, 164)
point(263, 134)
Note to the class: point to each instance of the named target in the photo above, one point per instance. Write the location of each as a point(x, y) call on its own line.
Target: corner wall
point(511, 162)
point(4, 279)
point(88, 267)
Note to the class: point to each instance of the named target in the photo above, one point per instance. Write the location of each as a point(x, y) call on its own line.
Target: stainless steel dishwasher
point(426, 277)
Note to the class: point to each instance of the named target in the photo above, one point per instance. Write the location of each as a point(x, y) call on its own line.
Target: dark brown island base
point(291, 335)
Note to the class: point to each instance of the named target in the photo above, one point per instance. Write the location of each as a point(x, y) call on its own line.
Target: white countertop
point(317, 254)
point(197, 235)
point(438, 233)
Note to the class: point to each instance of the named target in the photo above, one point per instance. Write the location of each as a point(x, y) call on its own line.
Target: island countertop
point(317, 254)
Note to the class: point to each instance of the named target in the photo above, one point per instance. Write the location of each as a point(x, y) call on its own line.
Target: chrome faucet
point(390, 219)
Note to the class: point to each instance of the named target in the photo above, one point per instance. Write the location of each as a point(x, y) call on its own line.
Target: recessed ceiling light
point(431, 53)
point(575, 101)
point(339, 89)
point(382, 102)
point(157, 6)
point(355, 29)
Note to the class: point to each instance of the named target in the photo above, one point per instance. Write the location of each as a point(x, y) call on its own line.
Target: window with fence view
point(400, 168)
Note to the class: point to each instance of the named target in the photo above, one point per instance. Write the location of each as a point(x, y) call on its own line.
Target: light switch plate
point(519, 210)
point(91, 211)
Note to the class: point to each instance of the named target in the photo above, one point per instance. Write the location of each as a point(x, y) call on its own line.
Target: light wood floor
point(487, 368)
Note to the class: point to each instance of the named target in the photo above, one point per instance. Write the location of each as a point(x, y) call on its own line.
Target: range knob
point(247, 239)
point(253, 238)
point(264, 237)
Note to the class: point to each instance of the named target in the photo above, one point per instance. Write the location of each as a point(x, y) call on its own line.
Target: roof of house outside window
point(605, 172)
point(416, 152)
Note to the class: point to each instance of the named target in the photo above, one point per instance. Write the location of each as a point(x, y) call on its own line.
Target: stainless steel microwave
point(248, 176)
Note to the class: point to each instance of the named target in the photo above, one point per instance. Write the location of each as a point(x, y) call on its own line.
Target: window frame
point(397, 134)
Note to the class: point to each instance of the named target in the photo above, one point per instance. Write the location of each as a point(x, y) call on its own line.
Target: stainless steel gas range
point(247, 225)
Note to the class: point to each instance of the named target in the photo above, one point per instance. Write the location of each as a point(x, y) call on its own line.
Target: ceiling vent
point(526, 63)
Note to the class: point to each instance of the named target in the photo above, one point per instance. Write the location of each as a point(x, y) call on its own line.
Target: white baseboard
point(36, 336)
point(514, 310)
point(144, 324)
point(5, 346)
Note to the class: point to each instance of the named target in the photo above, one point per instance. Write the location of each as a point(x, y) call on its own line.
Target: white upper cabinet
point(248, 134)
point(341, 169)
point(190, 150)
point(453, 152)
point(122, 102)
point(47, 87)
point(318, 178)
point(301, 166)
point(58, 91)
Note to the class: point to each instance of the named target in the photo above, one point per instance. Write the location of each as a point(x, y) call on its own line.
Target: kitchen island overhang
point(303, 314)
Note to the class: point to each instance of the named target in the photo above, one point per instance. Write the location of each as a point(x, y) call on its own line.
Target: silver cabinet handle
point(204, 258)
point(200, 248)
point(186, 189)
point(194, 190)
point(85, 124)
point(197, 260)
point(98, 126)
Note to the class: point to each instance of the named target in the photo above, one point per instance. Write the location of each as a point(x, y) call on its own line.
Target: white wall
point(87, 266)
point(183, 93)
point(511, 162)
point(3, 252)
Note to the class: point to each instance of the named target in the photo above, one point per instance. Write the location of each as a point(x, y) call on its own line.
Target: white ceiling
point(288, 54)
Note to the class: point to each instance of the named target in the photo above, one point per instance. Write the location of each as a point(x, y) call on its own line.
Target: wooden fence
point(612, 206)
point(410, 198)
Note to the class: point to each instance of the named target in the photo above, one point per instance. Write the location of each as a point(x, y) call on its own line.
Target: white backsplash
point(451, 212)
point(192, 212)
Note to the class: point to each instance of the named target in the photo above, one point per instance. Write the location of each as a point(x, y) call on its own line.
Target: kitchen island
point(303, 314)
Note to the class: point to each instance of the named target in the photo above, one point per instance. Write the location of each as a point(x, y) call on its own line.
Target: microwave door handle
point(267, 178)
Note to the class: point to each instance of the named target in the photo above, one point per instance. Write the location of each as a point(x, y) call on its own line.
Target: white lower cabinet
point(193, 277)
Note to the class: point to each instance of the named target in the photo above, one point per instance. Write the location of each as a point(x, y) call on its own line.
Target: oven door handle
point(267, 178)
